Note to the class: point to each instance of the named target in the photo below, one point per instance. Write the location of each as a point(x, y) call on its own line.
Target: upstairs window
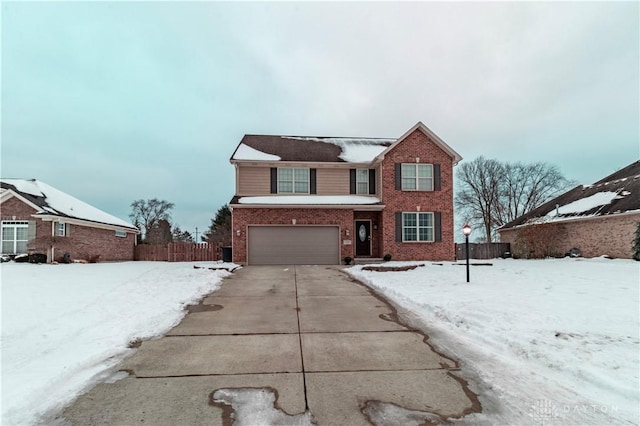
point(362, 181)
point(417, 177)
point(293, 181)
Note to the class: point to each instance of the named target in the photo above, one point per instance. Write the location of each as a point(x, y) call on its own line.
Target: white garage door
point(294, 245)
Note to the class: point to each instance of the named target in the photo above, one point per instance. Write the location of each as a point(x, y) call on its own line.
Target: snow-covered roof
point(52, 201)
point(615, 194)
point(309, 149)
point(310, 200)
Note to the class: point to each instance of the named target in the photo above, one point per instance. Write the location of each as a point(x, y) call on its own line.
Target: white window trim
point(417, 178)
point(365, 181)
point(121, 234)
point(293, 180)
point(60, 226)
point(418, 227)
point(15, 224)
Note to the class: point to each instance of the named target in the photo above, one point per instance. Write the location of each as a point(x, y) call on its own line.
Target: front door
point(363, 238)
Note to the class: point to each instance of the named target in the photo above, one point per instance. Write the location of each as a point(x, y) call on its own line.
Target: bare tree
point(525, 187)
point(493, 193)
point(479, 192)
point(147, 213)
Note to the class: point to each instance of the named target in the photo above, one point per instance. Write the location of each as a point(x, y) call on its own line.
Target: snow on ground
point(65, 326)
point(551, 341)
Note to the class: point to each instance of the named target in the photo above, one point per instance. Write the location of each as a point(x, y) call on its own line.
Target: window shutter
point(437, 224)
point(31, 230)
point(399, 227)
point(398, 176)
point(436, 177)
point(372, 181)
point(274, 180)
point(312, 181)
point(352, 181)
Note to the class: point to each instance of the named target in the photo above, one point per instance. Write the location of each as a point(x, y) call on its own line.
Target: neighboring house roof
point(615, 194)
point(325, 149)
point(49, 201)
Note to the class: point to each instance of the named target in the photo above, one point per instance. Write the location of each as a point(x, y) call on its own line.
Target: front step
point(367, 260)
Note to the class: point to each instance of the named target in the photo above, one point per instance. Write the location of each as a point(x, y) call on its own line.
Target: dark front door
point(363, 238)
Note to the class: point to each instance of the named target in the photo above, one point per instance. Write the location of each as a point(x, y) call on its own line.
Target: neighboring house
point(316, 200)
point(598, 219)
point(37, 218)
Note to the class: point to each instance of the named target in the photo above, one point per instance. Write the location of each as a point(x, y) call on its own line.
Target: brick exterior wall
point(609, 235)
point(417, 144)
point(82, 242)
point(243, 217)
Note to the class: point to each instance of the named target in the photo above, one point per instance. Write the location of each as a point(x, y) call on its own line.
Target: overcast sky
point(112, 102)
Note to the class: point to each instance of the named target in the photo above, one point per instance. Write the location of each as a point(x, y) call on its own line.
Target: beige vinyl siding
point(254, 180)
point(332, 181)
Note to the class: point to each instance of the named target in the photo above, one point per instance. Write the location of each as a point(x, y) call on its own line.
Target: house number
point(362, 233)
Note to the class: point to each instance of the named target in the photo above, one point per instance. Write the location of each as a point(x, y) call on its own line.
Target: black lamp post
point(466, 230)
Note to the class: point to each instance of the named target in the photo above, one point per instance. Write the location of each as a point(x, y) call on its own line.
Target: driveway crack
point(304, 374)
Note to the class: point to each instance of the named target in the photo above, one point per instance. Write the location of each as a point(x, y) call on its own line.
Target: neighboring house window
point(15, 237)
point(417, 227)
point(121, 234)
point(61, 229)
point(362, 181)
point(293, 181)
point(417, 177)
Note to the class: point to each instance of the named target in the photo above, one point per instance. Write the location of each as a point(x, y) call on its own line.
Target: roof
point(615, 194)
point(50, 201)
point(325, 149)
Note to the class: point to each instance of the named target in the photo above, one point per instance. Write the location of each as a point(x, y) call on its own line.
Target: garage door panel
point(297, 245)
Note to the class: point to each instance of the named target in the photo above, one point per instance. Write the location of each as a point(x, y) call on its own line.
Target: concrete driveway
point(320, 341)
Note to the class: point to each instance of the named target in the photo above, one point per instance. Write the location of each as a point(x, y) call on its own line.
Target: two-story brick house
point(316, 200)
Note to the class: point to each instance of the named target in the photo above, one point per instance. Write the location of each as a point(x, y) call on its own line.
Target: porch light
point(238, 232)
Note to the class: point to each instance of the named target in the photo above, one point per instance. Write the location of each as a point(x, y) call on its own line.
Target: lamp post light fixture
point(466, 230)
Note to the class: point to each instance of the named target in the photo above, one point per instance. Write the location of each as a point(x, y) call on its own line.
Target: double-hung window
point(418, 227)
point(293, 181)
point(417, 177)
point(61, 229)
point(362, 181)
point(15, 237)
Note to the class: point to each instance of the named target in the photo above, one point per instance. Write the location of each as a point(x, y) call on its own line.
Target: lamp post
point(466, 230)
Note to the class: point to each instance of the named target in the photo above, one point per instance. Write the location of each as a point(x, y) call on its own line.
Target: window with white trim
point(417, 177)
point(362, 181)
point(293, 181)
point(121, 234)
point(61, 229)
point(15, 235)
point(417, 227)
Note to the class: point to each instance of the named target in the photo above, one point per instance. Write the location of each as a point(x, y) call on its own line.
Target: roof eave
point(361, 207)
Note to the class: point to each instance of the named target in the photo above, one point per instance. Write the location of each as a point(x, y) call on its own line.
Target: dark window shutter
point(274, 180)
point(437, 222)
point(372, 181)
point(399, 227)
point(352, 181)
point(436, 178)
point(312, 181)
point(398, 176)
point(31, 230)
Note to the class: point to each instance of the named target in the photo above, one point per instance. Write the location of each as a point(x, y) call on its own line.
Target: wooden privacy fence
point(178, 252)
point(482, 251)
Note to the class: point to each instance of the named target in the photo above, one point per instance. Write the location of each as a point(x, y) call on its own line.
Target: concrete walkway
point(321, 341)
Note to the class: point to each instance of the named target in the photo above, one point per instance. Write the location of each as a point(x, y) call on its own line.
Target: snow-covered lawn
point(545, 341)
point(64, 326)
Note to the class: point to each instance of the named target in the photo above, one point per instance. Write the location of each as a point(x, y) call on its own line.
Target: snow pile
point(65, 326)
point(547, 341)
point(61, 203)
point(311, 199)
point(256, 407)
point(245, 152)
point(354, 150)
